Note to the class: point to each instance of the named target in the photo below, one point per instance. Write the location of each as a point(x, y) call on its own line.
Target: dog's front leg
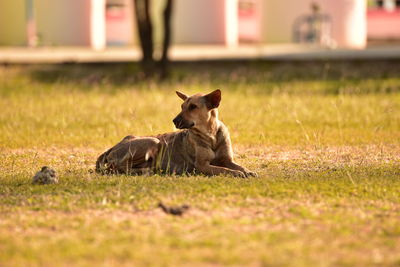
point(208, 169)
point(232, 165)
point(202, 164)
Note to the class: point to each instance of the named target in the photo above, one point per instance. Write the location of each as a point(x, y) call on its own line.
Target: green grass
point(323, 136)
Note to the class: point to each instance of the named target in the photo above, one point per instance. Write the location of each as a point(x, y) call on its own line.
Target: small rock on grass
point(176, 211)
point(45, 176)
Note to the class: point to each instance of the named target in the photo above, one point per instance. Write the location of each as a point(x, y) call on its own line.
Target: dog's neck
point(213, 123)
point(211, 127)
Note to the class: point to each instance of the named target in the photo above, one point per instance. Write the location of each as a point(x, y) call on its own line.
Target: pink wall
point(63, 22)
point(383, 24)
point(205, 22)
point(249, 20)
point(348, 20)
point(119, 23)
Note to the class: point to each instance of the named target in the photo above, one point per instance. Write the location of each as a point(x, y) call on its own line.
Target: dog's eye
point(192, 106)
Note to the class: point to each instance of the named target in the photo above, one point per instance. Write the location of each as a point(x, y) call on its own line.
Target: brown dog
point(203, 145)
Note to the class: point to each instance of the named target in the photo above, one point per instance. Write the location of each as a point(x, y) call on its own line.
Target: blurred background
point(228, 24)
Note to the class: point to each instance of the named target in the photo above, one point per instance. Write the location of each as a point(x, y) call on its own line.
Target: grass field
point(324, 138)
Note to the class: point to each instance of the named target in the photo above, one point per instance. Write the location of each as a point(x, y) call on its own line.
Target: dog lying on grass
point(202, 145)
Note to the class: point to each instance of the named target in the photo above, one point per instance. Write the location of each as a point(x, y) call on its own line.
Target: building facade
point(102, 23)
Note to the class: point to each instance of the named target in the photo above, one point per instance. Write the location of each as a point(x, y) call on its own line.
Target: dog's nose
point(176, 121)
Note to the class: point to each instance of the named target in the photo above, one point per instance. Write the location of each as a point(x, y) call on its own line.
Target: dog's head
point(197, 109)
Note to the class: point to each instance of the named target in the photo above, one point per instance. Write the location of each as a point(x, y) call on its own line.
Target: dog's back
point(131, 155)
point(176, 154)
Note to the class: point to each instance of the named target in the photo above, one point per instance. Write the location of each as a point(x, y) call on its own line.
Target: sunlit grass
point(53, 114)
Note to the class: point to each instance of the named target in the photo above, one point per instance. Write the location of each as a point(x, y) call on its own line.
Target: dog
point(202, 145)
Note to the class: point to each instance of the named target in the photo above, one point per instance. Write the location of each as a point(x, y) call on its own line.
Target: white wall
point(97, 24)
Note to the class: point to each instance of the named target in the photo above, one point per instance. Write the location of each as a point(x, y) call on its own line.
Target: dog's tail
point(102, 162)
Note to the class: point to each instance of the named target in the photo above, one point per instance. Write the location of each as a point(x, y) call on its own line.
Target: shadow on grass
point(336, 77)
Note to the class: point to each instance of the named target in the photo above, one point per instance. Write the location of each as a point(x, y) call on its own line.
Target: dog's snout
point(181, 123)
point(176, 121)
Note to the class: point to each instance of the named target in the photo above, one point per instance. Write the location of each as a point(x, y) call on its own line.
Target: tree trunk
point(145, 27)
point(167, 39)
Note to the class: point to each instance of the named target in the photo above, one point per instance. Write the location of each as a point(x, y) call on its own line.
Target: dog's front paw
point(250, 173)
point(254, 174)
point(239, 174)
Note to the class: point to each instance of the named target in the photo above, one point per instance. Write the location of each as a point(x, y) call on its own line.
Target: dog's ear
point(213, 99)
point(182, 95)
